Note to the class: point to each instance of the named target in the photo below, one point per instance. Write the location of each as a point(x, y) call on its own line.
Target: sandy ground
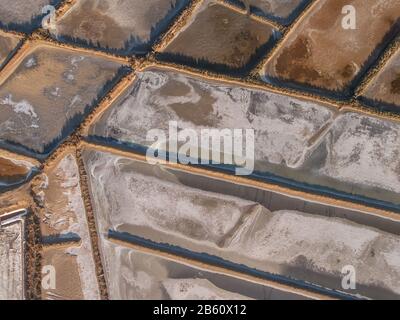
point(8, 42)
point(49, 87)
point(385, 87)
point(220, 35)
point(63, 218)
point(134, 275)
point(321, 53)
point(154, 204)
point(118, 24)
point(11, 260)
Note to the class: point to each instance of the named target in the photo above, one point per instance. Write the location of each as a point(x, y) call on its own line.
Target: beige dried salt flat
point(12, 264)
point(277, 234)
point(136, 275)
point(284, 125)
point(297, 139)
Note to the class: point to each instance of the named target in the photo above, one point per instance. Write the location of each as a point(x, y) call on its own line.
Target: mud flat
point(45, 96)
point(68, 282)
point(384, 90)
point(134, 275)
point(228, 223)
point(320, 54)
point(282, 11)
point(118, 26)
point(63, 219)
point(14, 170)
point(11, 259)
point(21, 14)
point(73, 281)
point(299, 142)
point(8, 43)
point(217, 36)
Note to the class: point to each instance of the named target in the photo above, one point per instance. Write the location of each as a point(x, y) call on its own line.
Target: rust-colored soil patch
point(320, 53)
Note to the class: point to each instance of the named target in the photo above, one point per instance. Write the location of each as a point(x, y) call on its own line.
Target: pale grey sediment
point(353, 154)
point(12, 268)
point(135, 275)
point(305, 243)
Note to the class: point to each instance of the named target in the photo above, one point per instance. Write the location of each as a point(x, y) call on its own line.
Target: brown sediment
point(177, 25)
point(297, 54)
point(382, 84)
point(199, 113)
point(11, 172)
point(332, 64)
point(218, 34)
point(285, 33)
point(92, 25)
point(383, 61)
point(275, 8)
point(95, 23)
point(10, 169)
point(247, 12)
point(395, 85)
